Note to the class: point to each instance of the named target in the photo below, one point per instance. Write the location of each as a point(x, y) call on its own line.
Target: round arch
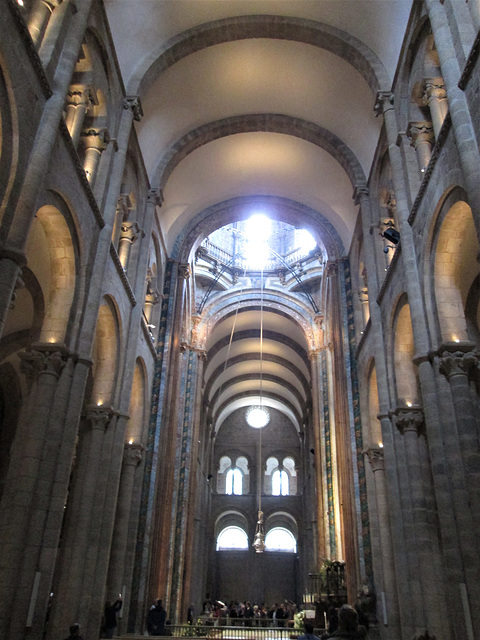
point(302, 30)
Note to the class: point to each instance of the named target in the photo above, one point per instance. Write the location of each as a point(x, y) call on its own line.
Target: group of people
point(245, 614)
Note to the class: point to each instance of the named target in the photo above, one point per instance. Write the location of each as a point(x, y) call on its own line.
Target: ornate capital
point(99, 416)
point(184, 271)
point(409, 419)
point(383, 102)
point(155, 196)
point(133, 103)
point(331, 269)
point(376, 458)
point(419, 132)
point(129, 231)
point(124, 204)
point(132, 454)
point(79, 96)
point(43, 359)
point(434, 90)
point(96, 139)
point(360, 193)
point(458, 363)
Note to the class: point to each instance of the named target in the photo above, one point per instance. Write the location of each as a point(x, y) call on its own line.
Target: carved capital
point(458, 363)
point(376, 458)
point(184, 271)
point(129, 231)
point(43, 359)
point(99, 416)
point(124, 204)
point(132, 454)
point(409, 419)
point(383, 102)
point(419, 132)
point(134, 104)
point(79, 96)
point(360, 193)
point(155, 196)
point(96, 139)
point(434, 90)
point(331, 269)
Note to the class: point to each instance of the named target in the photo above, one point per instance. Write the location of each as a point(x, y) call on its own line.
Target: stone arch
point(105, 353)
point(223, 213)
point(260, 122)
point(137, 410)
point(453, 270)
point(405, 372)
point(284, 520)
point(51, 257)
point(231, 518)
point(224, 30)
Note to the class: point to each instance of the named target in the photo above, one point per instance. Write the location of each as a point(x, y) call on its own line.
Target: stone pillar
point(317, 423)
point(460, 112)
point(78, 103)
point(429, 578)
point(457, 363)
point(161, 551)
point(421, 138)
point(435, 97)
point(11, 252)
point(39, 17)
point(124, 206)
point(129, 232)
point(95, 143)
point(74, 586)
point(386, 600)
point(132, 457)
point(43, 365)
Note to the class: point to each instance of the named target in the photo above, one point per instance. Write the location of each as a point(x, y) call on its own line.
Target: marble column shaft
point(317, 424)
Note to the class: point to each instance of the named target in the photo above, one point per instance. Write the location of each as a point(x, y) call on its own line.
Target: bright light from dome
point(258, 229)
point(257, 417)
point(304, 241)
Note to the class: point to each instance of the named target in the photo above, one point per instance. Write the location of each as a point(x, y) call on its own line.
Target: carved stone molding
point(43, 358)
point(134, 104)
point(383, 102)
point(458, 363)
point(184, 271)
point(132, 453)
point(155, 196)
point(129, 231)
point(409, 419)
point(99, 416)
point(376, 458)
point(331, 269)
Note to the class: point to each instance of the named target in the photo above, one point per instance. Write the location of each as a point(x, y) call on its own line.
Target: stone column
point(187, 569)
point(124, 206)
point(129, 232)
point(457, 363)
point(43, 365)
point(463, 126)
point(430, 575)
point(435, 97)
point(387, 600)
point(95, 143)
point(421, 138)
point(78, 103)
point(11, 252)
point(38, 19)
point(317, 423)
point(161, 552)
point(73, 585)
point(132, 457)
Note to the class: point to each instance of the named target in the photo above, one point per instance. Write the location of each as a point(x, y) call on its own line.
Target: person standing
point(156, 620)
point(110, 616)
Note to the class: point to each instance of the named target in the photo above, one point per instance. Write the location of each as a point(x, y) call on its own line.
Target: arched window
point(232, 538)
point(234, 482)
point(280, 539)
point(280, 483)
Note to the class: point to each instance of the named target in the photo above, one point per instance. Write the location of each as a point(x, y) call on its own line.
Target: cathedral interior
point(239, 310)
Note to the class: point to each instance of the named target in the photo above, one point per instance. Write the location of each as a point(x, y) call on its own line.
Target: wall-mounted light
point(380, 445)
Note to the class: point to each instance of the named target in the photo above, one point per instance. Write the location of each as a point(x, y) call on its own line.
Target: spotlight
point(209, 477)
point(312, 451)
point(391, 235)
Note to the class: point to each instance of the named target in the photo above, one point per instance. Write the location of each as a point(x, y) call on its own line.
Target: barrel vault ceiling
point(257, 98)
